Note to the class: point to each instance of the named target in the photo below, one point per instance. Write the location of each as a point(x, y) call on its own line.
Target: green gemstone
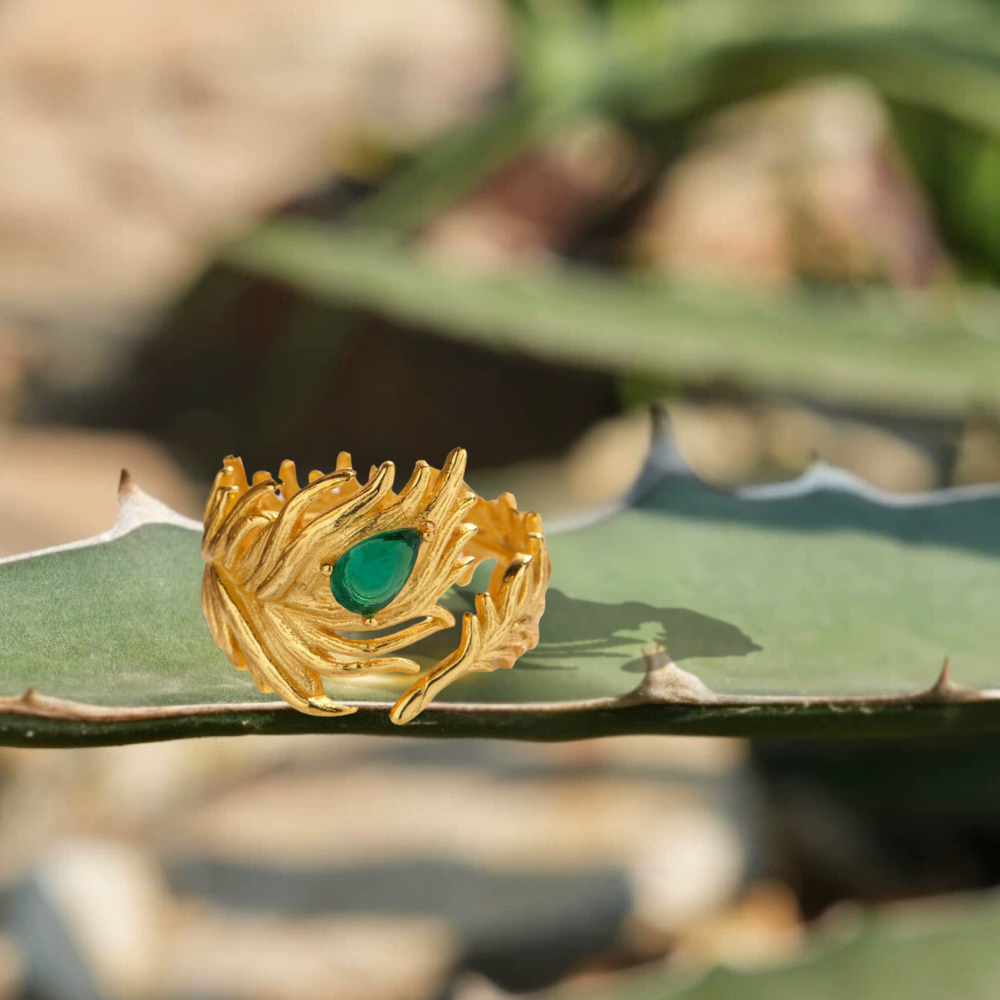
point(370, 574)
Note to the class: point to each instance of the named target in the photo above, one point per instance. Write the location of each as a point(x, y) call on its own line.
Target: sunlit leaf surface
point(814, 608)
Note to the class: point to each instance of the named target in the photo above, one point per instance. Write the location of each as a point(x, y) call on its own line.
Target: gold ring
point(294, 574)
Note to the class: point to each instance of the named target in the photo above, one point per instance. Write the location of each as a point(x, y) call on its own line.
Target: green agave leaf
point(925, 951)
point(879, 349)
point(817, 607)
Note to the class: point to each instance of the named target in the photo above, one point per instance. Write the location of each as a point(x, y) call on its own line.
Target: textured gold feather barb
point(277, 555)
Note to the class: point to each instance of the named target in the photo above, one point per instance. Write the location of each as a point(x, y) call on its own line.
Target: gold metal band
point(270, 548)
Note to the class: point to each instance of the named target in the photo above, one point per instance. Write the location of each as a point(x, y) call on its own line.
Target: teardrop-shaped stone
point(370, 574)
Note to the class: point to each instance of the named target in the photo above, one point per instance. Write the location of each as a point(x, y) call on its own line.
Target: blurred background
point(454, 179)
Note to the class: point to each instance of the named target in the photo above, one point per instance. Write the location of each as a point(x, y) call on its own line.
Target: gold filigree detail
point(270, 547)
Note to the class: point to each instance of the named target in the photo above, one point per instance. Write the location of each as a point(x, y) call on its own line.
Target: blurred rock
point(550, 822)
point(136, 136)
point(808, 182)
point(795, 436)
point(978, 453)
point(688, 866)
point(473, 987)
point(597, 469)
point(137, 941)
point(115, 909)
point(16, 355)
point(11, 970)
point(539, 201)
point(625, 835)
point(126, 792)
point(222, 864)
point(239, 956)
point(722, 442)
point(146, 782)
point(701, 756)
point(594, 841)
point(730, 443)
point(58, 485)
point(763, 927)
point(883, 459)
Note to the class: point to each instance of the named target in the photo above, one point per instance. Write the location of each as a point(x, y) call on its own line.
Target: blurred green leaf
point(937, 950)
point(879, 349)
point(674, 60)
point(959, 168)
point(941, 58)
point(816, 608)
point(452, 167)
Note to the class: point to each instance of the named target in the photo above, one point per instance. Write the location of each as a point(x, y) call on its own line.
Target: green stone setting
point(370, 574)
